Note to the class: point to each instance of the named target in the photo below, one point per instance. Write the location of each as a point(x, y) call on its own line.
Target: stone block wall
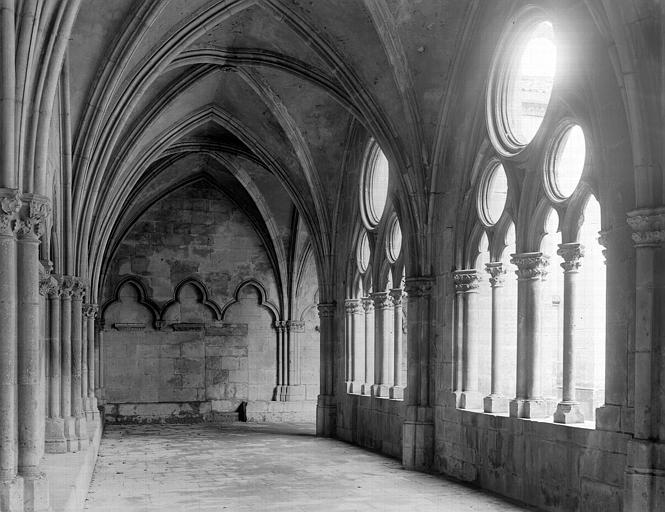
point(555, 467)
point(189, 321)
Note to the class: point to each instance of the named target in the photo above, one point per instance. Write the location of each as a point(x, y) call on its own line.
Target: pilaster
point(645, 471)
point(326, 407)
point(418, 426)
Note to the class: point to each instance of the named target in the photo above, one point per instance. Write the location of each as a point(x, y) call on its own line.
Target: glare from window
point(569, 162)
point(530, 83)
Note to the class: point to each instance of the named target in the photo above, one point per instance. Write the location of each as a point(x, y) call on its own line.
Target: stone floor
point(255, 467)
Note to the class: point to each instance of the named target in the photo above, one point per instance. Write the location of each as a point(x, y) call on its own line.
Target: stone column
point(90, 314)
point(368, 306)
point(418, 427)
point(84, 362)
point(66, 287)
point(11, 484)
point(383, 344)
point(397, 391)
point(326, 407)
point(280, 327)
point(30, 385)
point(356, 314)
point(78, 294)
point(55, 425)
point(531, 269)
point(99, 352)
point(466, 283)
point(458, 347)
point(295, 391)
point(568, 410)
point(348, 335)
point(496, 402)
point(90, 402)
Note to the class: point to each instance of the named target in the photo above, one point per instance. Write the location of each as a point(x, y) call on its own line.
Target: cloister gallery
point(434, 228)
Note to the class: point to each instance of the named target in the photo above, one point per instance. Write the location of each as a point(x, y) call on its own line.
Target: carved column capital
point(280, 325)
point(466, 280)
point(78, 288)
point(418, 286)
point(32, 215)
point(47, 283)
point(648, 225)
point(368, 304)
point(10, 204)
point(295, 326)
point(397, 294)
point(572, 254)
point(353, 306)
point(382, 300)
point(66, 286)
point(530, 265)
point(90, 310)
point(326, 309)
point(497, 273)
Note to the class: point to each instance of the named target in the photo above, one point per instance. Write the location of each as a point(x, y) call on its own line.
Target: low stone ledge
point(69, 474)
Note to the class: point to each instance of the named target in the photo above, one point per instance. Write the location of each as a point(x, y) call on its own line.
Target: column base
point(418, 438)
point(82, 432)
point(36, 493)
point(471, 400)
point(568, 412)
point(529, 408)
point(356, 387)
point(94, 407)
point(326, 416)
point(11, 495)
point(291, 393)
point(397, 393)
point(366, 389)
point(381, 390)
point(55, 440)
point(495, 403)
point(73, 444)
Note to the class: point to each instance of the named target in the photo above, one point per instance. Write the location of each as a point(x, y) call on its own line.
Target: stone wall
point(555, 467)
point(189, 329)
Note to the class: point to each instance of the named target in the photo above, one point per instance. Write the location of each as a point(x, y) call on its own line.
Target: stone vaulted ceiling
point(266, 93)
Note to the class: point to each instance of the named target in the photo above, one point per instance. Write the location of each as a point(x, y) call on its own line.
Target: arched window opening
point(566, 163)
point(493, 194)
point(394, 241)
point(364, 253)
point(374, 185)
point(521, 83)
point(530, 82)
point(552, 312)
point(590, 347)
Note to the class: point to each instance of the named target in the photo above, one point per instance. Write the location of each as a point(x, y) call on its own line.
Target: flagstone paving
point(255, 467)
